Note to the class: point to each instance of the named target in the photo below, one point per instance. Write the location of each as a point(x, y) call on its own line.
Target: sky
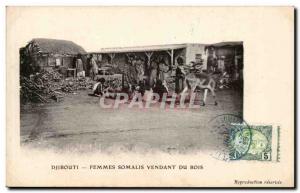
point(100, 27)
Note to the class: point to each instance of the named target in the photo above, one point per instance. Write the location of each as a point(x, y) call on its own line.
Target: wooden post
point(171, 53)
point(149, 54)
point(172, 57)
point(112, 56)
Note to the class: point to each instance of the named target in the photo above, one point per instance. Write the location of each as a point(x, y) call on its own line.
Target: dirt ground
point(79, 124)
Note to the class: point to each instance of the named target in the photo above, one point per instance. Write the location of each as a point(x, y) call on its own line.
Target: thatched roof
point(54, 46)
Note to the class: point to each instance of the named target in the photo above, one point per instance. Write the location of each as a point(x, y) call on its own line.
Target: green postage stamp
point(253, 142)
point(234, 139)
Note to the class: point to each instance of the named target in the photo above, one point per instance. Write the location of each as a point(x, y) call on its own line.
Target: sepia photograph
point(154, 97)
point(166, 96)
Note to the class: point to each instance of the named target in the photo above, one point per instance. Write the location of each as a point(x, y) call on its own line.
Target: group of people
point(83, 64)
point(137, 71)
point(140, 77)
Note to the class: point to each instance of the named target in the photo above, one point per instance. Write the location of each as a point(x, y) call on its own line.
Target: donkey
point(201, 80)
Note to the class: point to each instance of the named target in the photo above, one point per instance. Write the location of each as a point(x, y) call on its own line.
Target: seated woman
point(99, 87)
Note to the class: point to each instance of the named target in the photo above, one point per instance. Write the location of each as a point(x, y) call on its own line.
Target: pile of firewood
point(49, 85)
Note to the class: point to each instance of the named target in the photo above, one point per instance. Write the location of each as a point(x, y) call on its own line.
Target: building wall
point(225, 52)
point(36, 63)
point(230, 54)
point(68, 62)
point(192, 50)
point(46, 62)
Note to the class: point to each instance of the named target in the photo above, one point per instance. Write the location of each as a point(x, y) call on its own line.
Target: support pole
point(171, 53)
point(112, 56)
point(172, 57)
point(149, 54)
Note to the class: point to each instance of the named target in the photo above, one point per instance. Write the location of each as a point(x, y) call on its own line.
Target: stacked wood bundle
point(49, 85)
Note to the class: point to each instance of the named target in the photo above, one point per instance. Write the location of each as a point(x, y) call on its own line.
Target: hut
point(42, 54)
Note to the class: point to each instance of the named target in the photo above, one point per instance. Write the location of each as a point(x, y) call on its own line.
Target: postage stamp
point(253, 142)
point(237, 140)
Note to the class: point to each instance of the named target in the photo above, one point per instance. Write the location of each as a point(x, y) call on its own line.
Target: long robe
point(153, 74)
point(179, 80)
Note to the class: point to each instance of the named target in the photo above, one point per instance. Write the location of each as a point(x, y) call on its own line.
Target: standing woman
point(153, 73)
point(94, 67)
point(79, 67)
point(162, 69)
point(140, 70)
point(164, 73)
point(179, 76)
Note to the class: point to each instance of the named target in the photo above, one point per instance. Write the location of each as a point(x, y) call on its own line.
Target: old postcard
point(150, 97)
